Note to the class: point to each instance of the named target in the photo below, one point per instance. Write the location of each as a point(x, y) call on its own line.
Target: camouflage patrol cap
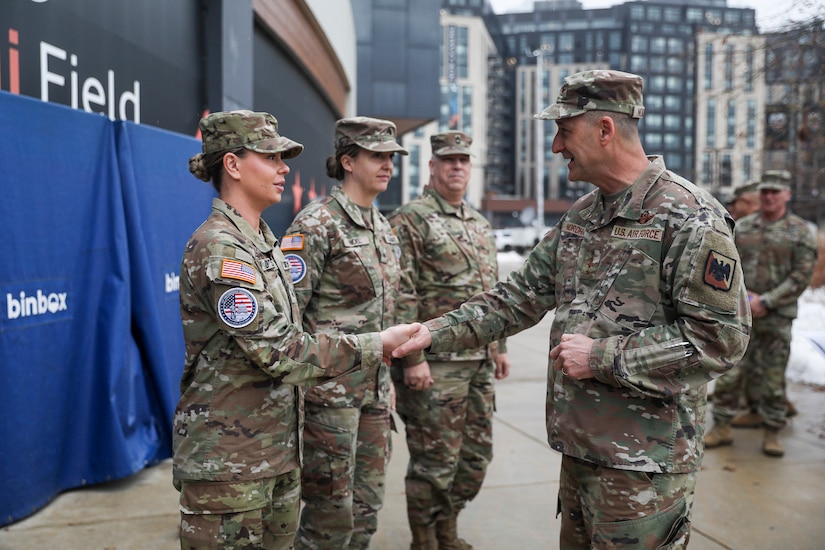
point(451, 143)
point(741, 190)
point(227, 130)
point(597, 90)
point(779, 180)
point(372, 134)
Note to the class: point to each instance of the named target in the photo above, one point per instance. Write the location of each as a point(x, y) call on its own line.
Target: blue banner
point(95, 216)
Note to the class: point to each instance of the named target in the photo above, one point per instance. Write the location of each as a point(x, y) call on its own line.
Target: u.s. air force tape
point(237, 307)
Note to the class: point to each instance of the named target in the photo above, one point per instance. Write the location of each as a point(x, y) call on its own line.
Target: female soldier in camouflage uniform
point(237, 431)
point(346, 274)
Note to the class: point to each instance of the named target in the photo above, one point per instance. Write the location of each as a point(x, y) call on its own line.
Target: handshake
point(402, 340)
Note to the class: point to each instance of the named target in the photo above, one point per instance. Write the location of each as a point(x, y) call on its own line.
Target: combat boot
point(446, 531)
point(771, 445)
point(718, 436)
point(423, 537)
point(749, 419)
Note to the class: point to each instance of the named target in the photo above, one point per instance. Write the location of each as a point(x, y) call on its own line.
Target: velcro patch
point(237, 307)
point(297, 267)
point(292, 242)
point(233, 269)
point(719, 270)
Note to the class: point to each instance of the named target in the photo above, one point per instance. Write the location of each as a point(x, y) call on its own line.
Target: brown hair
point(209, 167)
point(334, 168)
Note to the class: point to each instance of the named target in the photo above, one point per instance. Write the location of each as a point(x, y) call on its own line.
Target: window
point(675, 46)
point(694, 15)
point(746, 168)
point(657, 83)
point(653, 120)
point(672, 142)
point(653, 102)
point(728, 67)
point(706, 164)
point(673, 15)
point(638, 44)
point(673, 102)
point(673, 122)
point(709, 66)
point(566, 42)
point(654, 13)
point(638, 63)
point(748, 76)
point(751, 124)
point(658, 44)
point(675, 65)
point(711, 122)
point(653, 141)
point(731, 123)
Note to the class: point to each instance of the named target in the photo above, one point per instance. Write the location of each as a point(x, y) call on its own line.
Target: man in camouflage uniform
point(346, 272)
point(237, 426)
point(779, 251)
point(650, 305)
point(743, 201)
point(449, 254)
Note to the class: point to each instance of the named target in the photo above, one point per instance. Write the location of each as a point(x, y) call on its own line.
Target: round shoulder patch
point(297, 267)
point(237, 307)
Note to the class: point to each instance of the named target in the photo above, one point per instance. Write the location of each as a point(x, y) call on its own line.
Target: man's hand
point(418, 376)
point(419, 340)
point(758, 309)
point(572, 356)
point(502, 366)
point(393, 337)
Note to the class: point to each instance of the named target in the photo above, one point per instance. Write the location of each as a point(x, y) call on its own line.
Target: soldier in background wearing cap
point(649, 303)
point(743, 201)
point(237, 428)
point(445, 399)
point(346, 274)
point(779, 251)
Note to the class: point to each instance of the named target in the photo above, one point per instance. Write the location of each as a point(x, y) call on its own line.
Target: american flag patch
point(292, 242)
point(233, 269)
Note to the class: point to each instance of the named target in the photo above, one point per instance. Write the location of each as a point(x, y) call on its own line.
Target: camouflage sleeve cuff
point(372, 351)
point(441, 334)
point(604, 355)
point(502, 345)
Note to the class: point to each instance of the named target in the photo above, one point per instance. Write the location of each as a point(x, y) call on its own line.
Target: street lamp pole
point(539, 145)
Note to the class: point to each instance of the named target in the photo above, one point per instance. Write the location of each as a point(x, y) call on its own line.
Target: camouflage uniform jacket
point(657, 282)
point(778, 259)
point(448, 254)
point(238, 416)
point(346, 280)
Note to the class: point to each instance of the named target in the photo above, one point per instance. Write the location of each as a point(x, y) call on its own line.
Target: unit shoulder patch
point(237, 307)
point(242, 271)
point(297, 267)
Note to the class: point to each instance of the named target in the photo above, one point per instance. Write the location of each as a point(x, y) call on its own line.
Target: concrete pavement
point(744, 500)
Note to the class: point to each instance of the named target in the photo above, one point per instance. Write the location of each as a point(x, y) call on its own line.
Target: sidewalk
point(744, 500)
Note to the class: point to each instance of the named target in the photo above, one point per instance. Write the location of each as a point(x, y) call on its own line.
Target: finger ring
point(564, 372)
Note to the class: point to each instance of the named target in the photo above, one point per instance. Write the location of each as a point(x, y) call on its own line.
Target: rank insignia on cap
point(292, 242)
point(233, 269)
point(237, 307)
point(297, 267)
point(719, 271)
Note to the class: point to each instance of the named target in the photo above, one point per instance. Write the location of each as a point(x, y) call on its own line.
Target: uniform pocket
point(666, 529)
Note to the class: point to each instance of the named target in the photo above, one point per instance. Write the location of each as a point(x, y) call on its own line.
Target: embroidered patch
point(568, 227)
point(646, 216)
point(237, 307)
point(233, 269)
point(637, 233)
point(292, 242)
point(719, 271)
point(297, 267)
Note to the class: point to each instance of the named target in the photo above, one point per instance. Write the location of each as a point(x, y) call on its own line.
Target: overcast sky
point(770, 14)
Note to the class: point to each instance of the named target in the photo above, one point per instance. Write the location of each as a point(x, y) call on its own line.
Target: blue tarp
point(95, 216)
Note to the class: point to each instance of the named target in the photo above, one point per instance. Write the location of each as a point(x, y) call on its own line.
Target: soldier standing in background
point(649, 303)
point(445, 399)
point(743, 201)
point(345, 268)
point(237, 427)
point(778, 251)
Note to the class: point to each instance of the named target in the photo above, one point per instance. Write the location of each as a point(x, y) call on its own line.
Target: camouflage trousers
point(449, 436)
point(608, 508)
point(248, 515)
point(759, 376)
point(346, 453)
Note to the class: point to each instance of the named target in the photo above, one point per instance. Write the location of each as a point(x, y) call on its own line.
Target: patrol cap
point(779, 180)
point(597, 90)
point(372, 134)
point(227, 130)
point(451, 143)
point(741, 190)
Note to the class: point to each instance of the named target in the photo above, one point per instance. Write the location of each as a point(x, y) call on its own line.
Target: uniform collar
point(630, 203)
point(352, 209)
point(458, 211)
point(265, 241)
